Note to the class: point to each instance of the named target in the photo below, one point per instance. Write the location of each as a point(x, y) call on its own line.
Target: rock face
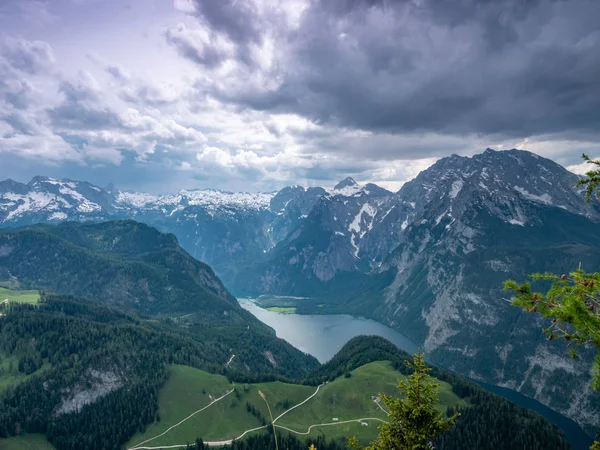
point(325, 247)
point(97, 385)
point(476, 222)
point(428, 260)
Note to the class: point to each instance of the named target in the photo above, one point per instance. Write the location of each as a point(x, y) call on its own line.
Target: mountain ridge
point(428, 259)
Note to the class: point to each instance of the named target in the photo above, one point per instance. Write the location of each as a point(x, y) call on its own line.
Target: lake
point(323, 336)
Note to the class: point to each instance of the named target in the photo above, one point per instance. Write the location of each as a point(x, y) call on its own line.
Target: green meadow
point(31, 297)
point(347, 398)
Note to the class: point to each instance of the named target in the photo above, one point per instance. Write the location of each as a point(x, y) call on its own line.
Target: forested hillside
point(135, 268)
point(489, 423)
point(95, 372)
point(125, 263)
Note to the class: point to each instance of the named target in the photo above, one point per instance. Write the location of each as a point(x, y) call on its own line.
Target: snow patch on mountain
point(210, 199)
point(136, 199)
point(84, 205)
point(58, 216)
point(544, 198)
point(355, 226)
point(347, 191)
point(456, 188)
point(31, 202)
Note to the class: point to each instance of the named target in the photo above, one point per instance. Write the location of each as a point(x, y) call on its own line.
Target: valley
point(422, 266)
point(199, 402)
point(323, 336)
point(263, 224)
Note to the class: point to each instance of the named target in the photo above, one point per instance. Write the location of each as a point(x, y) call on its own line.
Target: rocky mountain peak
point(346, 182)
point(502, 182)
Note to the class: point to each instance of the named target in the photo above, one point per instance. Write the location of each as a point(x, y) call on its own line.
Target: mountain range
point(428, 260)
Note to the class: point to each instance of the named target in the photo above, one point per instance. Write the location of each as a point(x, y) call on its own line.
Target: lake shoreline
point(323, 335)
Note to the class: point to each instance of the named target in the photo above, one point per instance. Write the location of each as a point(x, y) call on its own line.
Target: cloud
point(511, 68)
point(119, 73)
point(240, 21)
point(185, 166)
point(82, 108)
point(45, 147)
point(58, 117)
point(110, 155)
point(31, 57)
point(198, 45)
point(257, 94)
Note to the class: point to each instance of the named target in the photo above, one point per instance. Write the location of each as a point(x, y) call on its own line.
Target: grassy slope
point(26, 442)
point(350, 398)
point(345, 398)
point(32, 297)
point(280, 309)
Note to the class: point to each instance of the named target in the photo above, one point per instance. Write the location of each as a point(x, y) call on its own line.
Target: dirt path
point(216, 443)
point(299, 404)
point(229, 441)
point(381, 407)
point(304, 433)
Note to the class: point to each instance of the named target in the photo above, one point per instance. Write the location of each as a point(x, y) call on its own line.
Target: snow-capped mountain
point(213, 201)
point(430, 261)
point(46, 199)
point(224, 229)
point(504, 183)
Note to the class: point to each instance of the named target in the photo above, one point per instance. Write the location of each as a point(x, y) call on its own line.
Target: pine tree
point(415, 421)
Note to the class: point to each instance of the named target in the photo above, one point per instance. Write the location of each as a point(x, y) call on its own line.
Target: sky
point(160, 95)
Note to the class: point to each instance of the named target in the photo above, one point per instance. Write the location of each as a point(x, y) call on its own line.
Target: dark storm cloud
point(243, 22)
point(191, 47)
point(237, 19)
point(509, 68)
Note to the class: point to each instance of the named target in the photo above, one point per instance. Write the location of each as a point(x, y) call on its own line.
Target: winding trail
point(299, 404)
point(329, 424)
point(230, 359)
point(229, 441)
point(138, 446)
point(381, 407)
